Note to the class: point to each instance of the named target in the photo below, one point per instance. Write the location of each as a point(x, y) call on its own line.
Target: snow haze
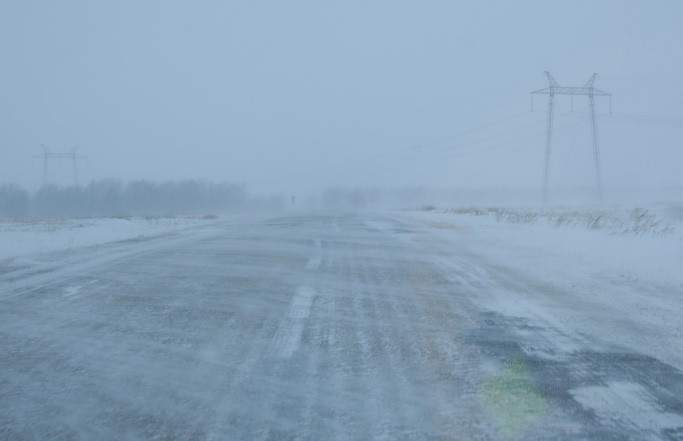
point(295, 97)
point(325, 220)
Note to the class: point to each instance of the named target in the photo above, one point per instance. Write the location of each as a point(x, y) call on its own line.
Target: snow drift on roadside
point(18, 238)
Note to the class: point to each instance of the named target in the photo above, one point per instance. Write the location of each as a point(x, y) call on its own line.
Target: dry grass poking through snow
point(615, 220)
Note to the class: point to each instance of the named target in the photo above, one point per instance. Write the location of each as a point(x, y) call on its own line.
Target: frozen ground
point(629, 268)
point(31, 236)
point(418, 325)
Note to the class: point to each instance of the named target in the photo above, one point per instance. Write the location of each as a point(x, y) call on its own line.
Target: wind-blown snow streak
point(403, 330)
point(289, 335)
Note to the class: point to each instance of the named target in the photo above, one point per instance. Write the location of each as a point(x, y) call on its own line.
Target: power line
point(401, 163)
point(394, 153)
point(72, 154)
point(645, 119)
point(586, 90)
point(497, 146)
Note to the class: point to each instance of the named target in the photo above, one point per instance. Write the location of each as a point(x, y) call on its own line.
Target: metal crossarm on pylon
point(72, 154)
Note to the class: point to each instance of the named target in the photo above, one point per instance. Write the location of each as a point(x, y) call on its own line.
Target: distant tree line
point(111, 197)
point(369, 198)
point(356, 198)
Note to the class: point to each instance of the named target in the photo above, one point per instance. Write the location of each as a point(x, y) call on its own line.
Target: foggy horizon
point(295, 98)
point(312, 220)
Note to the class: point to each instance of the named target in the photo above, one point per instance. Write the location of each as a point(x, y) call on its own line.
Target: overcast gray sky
point(291, 96)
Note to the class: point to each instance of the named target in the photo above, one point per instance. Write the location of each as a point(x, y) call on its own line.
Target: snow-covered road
point(386, 326)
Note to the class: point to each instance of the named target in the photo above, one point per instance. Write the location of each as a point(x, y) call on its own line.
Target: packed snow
point(615, 274)
point(36, 235)
point(392, 325)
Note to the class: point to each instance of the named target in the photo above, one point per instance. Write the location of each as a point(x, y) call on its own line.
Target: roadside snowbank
point(616, 283)
point(18, 238)
point(637, 243)
point(658, 219)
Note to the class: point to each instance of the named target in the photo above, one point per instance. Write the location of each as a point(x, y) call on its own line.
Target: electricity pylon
point(587, 90)
point(72, 154)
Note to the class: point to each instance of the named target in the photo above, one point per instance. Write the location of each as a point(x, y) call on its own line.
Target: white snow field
point(31, 236)
point(393, 325)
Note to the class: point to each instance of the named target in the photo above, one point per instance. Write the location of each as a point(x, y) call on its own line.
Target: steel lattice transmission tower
point(72, 154)
point(585, 90)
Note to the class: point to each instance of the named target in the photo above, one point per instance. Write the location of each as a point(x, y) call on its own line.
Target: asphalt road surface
point(315, 327)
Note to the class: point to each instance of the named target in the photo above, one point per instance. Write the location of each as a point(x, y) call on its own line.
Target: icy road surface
point(325, 327)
